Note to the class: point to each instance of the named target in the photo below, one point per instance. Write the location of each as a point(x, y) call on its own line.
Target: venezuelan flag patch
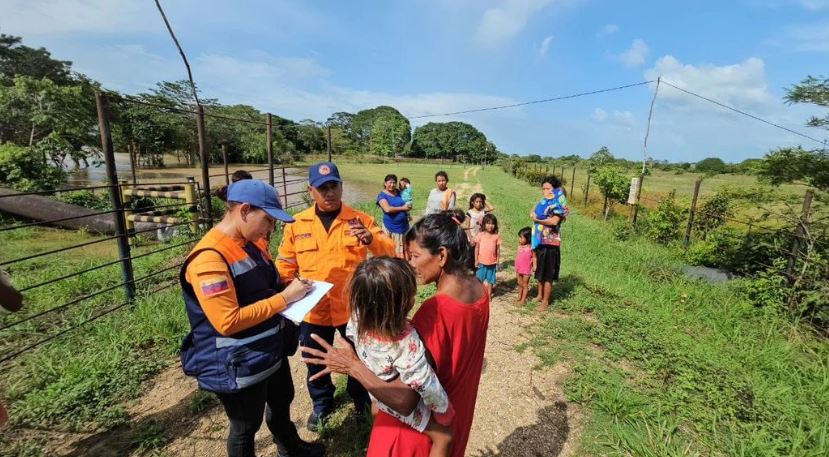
point(213, 286)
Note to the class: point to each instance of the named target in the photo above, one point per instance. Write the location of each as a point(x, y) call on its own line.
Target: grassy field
point(663, 364)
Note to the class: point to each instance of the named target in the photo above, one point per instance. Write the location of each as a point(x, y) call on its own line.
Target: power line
point(738, 111)
point(533, 102)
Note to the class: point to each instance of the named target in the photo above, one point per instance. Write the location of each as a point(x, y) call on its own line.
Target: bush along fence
point(143, 229)
point(778, 244)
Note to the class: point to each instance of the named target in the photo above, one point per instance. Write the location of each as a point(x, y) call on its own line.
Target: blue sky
point(303, 59)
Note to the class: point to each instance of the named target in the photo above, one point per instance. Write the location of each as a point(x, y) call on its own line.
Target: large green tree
point(19, 60)
point(381, 130)
point(55, 120)
point(599, 159)
point(452, 140)
point(797, 164)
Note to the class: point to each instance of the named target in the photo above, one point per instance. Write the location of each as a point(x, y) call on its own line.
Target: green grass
point(669, 366)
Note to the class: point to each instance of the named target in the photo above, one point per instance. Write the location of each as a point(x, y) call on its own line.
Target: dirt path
point(521, 409)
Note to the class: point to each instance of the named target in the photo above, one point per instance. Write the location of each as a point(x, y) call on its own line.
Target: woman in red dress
point(452, 325)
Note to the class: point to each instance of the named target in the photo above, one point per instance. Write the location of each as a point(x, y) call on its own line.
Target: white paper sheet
point(297, 310)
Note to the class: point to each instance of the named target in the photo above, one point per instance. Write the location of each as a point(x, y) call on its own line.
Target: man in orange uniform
point(326, 243)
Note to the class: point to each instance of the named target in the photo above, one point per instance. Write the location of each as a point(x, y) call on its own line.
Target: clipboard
point(297, 310)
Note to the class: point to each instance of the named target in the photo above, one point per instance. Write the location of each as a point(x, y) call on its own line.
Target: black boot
point(291, 445)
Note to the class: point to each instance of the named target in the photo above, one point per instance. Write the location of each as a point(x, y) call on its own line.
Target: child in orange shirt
point(488, 251)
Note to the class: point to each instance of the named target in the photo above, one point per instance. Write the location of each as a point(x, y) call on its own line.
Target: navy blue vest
point(226, 364)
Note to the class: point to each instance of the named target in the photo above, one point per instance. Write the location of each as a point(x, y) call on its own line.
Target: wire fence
point(69, 281)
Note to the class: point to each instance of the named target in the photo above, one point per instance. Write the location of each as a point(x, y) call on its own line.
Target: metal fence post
point(115, 196)
point(693, 213)
point(329, 143)
point(799, 232)
point(224, 160)
point(284, 188)
point(270, 148)
point(205, 164)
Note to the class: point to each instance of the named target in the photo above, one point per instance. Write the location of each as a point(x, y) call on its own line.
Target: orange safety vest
point(328, 256)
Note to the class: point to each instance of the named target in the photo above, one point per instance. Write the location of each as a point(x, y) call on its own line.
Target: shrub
point(24, 169)
point(664, 224)
point(87, 199)
point(713, 213)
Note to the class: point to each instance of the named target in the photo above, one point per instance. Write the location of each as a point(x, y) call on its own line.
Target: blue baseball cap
point(260, 195)
point(323, 172)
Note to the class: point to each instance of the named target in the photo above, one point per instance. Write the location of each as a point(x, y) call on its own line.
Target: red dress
point(455, 335)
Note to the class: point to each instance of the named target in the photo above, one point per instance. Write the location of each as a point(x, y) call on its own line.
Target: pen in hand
point(304, 281)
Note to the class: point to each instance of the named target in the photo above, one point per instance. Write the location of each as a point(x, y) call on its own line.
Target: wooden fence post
point(573, 183)
point(205, 164)
point(638, 195)
point(587, 189)
point(799, 232)
point(693, 213)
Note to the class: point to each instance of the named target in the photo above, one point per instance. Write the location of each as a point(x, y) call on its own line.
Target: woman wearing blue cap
point(238, 344)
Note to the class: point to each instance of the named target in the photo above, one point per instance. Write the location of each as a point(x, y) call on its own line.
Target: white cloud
point(814, 5)
point(545, 46)
point(599, 115)
point(636, 54)
point(498, 25)
point(742, 84)
point(607, 30)
point(55, 17)
point(810, 37)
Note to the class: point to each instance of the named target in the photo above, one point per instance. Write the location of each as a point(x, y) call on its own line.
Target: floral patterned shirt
point(404, 357)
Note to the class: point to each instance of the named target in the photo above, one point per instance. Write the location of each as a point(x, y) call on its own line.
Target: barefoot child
point(488, 251)
point(382, 292)
point(524, 264)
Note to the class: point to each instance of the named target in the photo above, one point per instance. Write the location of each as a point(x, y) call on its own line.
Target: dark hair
point(237, 175)
point(388, 177)
point(381, 293)
point(487, 219)
point(240, 175)
point(444, 230)
point(525, 233)
point(441, 173)
point(553, 181)
point(475, 196)
point(405, 180)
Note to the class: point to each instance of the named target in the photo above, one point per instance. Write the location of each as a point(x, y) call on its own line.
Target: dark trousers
point(245, 408)
point(322, 389)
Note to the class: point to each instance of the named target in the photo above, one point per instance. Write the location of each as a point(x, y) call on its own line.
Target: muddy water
point(296, 178)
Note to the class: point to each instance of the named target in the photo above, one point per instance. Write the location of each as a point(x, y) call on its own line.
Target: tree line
point(48, 123)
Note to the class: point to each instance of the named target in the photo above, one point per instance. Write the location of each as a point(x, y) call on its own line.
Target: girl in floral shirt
point(381, 293)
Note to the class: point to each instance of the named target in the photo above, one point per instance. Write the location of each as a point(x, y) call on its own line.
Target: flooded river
point(296, 178)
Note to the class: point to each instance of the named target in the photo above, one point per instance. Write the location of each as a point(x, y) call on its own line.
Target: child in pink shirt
point(524, 264)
